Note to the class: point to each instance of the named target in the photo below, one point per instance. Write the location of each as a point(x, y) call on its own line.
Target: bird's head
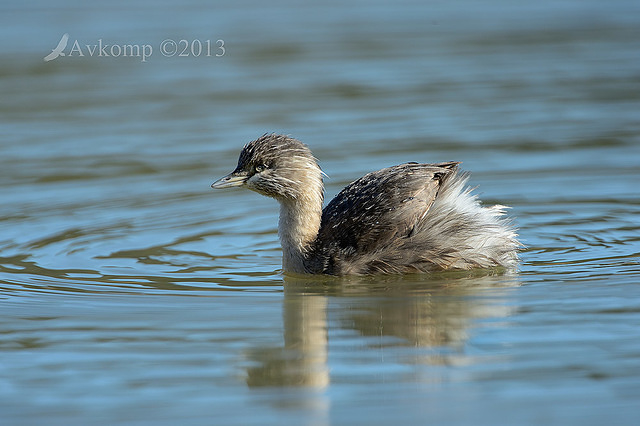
point(277, 166)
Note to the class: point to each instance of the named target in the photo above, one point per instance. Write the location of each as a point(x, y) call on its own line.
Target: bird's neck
point(298, 228)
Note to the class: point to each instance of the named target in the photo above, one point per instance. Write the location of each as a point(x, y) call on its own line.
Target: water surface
point(130, 292)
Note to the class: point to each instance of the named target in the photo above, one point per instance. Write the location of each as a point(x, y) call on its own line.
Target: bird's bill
point(230, 180)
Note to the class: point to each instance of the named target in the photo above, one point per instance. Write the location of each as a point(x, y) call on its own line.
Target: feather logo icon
point(58, 51)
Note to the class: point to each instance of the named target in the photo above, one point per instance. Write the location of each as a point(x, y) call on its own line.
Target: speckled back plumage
point(402, 219)
point(411, 218)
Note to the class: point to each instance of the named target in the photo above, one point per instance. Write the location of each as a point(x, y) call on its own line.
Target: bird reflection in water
point(434, 315)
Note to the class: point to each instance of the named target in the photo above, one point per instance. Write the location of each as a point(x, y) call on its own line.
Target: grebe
point(409, 218)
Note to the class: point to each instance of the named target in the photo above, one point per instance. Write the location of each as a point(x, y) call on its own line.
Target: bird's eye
point(261, 168)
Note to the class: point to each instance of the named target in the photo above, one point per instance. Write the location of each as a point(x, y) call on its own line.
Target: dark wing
point(376, 210)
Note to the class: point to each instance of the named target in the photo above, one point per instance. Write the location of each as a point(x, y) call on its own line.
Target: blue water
point(132, 293)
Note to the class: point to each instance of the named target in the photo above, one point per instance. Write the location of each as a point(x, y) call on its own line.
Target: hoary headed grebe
point(402, 219)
